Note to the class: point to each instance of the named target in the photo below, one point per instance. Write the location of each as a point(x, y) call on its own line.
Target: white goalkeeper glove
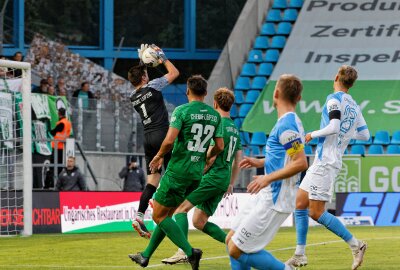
point(143, 47)
point(160, 55)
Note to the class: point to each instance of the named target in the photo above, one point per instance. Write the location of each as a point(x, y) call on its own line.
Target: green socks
point(176, 235)
point(215, 232)
point(182, 222)
point(155, 240)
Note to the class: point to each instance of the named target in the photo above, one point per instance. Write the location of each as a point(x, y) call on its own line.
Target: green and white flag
point(6, 117)
point(40, 106)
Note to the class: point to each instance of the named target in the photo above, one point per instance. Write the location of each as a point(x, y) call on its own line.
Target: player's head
point(288, 88)
point(346, 77)
point(223, 99)
point(196, 86)
point(137, 75)
point(61, 112)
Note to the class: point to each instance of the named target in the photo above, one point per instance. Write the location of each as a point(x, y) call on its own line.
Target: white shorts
point(256, 225)
point(319, 182)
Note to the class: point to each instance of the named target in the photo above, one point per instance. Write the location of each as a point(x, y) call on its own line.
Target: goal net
point(15, 148)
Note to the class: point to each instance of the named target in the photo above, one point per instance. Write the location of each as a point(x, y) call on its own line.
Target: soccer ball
point(148, 57)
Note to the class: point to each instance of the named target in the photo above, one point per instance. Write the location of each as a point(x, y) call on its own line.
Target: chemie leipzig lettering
point(335, 6)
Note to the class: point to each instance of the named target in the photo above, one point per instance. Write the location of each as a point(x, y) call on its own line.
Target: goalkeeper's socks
point(301, 219)
point(215, 232)
point(147, 194)
point(155, 240)
point(176, 235)
point(261, 260)
point(182, 221)
point(334, 225)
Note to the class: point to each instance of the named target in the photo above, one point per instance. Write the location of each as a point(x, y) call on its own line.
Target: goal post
point(20, 165)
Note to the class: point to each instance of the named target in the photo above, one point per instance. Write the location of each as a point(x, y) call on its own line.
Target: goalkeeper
point(148, 101)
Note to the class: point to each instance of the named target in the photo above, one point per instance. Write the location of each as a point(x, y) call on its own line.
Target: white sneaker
point(291, 267)
point(358, 254)
point(297, 261)
point(178, 257)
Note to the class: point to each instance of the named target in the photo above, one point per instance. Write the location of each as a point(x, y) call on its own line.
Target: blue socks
point(301, 219)
point(262, 260)
point(334, 225)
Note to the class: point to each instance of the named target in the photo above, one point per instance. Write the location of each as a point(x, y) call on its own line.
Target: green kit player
point(217, 182)
point(192, 127)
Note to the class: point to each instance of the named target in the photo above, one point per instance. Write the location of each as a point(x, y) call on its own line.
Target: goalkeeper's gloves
point(159, 53)
point(143, 47)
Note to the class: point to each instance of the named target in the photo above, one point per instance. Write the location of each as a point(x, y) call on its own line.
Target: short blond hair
point(347, 76)
point(291, 87)
point(224, 98)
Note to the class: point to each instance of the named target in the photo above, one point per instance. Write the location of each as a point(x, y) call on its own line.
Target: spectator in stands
point(71, 178)
point(50, 80)
point(61, 132)
point(17, 57)
point(51, 90)
point(84, 94)
point(42, 88)
point(133, 175)
point(61, 89)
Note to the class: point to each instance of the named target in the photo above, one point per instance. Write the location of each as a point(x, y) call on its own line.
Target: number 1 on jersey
point(144, 110)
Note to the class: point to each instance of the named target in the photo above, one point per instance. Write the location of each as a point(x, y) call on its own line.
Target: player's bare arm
point(249, 162)
point(235, 172)
point(173, 72)
point(298, 163)
point(166, 147)
point(217, 148)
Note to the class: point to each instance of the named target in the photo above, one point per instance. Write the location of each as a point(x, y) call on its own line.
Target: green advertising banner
point(369, 174)
point(379, 101)
point(55, 103)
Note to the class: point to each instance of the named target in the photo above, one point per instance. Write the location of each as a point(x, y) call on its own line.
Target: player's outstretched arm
point(298, 163)
point(166, 147)
point(173, 72)
point(248, 162)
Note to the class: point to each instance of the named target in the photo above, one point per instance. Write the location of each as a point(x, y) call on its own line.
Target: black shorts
point(152, 143)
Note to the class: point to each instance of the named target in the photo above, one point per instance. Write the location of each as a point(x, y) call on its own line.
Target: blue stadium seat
point(261, 42)
point(382, 137)
point(346, 152)
point(252, 96)
point(274, 15)
point(244, 110)
point(357, 149)
point(247, 151)
point(239, 98)
point(289, 15)
point(244, 138)
point(258, 138)
point(265, 69)
point(242, 83)
point(375, 149)
point(364, 142)
point(258, 82)
point(352, 141)
point(282, 4)
point(393, 149)
point(234, 111)
point(278, 42)
point(395, 137)
point(284, 28)
point(255, 150)
point(268, 29)
point(296, 3)
point(249, 69)
point(238, 122)
point(255, 56)
point(272, 56)
point(308, 149)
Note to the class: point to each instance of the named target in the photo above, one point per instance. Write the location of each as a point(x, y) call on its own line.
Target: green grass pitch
point(109, 250)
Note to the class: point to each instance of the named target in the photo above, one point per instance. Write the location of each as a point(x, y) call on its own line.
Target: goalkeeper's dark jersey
point(149, 103)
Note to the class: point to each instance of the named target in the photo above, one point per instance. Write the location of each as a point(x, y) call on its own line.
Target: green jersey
point(198, 124)
point(220, 172)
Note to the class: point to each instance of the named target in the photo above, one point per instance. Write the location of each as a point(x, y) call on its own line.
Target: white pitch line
point(158, 265)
